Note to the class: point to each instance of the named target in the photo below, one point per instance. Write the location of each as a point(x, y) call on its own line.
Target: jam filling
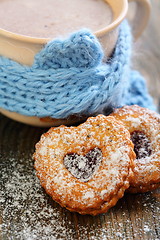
point(83, 167)
point(142, 145)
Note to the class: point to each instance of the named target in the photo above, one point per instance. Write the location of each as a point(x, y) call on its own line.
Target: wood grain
point(27, 212)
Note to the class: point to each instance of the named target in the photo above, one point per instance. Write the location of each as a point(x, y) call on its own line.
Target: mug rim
point(99, 33)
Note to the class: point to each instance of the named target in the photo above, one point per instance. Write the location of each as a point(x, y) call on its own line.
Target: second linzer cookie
point(86, 168)
point(144, 127)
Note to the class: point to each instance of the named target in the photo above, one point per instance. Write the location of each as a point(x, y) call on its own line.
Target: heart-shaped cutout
point(142, 145)
point(83, 167)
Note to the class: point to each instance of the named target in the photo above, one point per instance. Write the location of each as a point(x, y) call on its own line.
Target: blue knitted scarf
point(70, 77)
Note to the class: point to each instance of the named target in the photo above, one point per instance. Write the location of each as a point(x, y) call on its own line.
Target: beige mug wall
point(23, 48)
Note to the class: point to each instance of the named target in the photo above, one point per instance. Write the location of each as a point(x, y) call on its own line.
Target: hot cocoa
point(52, 18)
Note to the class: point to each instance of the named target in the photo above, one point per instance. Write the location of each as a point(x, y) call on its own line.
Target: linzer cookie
point(144, 127)
point(86, 168)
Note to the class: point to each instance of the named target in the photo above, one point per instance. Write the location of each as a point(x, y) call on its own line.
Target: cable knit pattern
point(69, 77)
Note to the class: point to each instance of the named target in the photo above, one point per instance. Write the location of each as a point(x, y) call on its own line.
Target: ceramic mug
point(23, 48)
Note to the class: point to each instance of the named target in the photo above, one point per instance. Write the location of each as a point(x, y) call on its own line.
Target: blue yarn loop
point(137, 92)
point(68, 77)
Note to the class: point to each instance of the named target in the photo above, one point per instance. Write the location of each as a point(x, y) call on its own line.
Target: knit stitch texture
point(68, 77)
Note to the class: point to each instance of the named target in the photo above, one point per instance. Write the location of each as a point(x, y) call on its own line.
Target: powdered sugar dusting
point(89, 194)
point(135, 122)
point(24, 202)
point(29, 214)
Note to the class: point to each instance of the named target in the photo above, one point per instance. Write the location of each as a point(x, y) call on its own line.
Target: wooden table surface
point(27, 212)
